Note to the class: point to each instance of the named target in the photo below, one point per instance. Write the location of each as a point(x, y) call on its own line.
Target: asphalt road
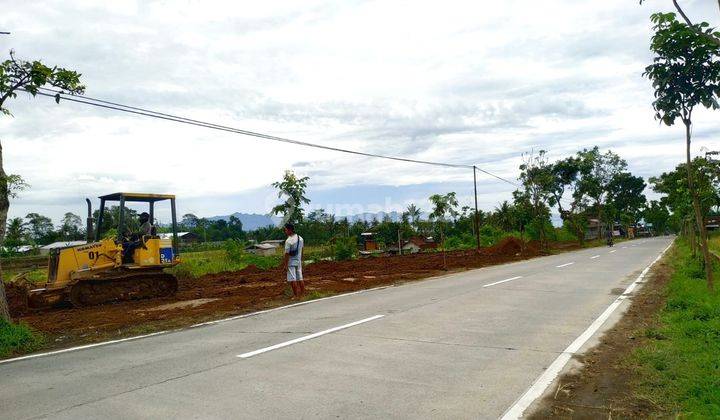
point(460, 346)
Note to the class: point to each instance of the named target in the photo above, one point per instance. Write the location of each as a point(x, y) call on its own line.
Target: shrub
point(345, 249)
point(235, 250)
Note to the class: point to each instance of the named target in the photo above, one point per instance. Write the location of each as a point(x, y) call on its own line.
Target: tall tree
point(29, 76)
point(537, 181)
point(566, 180)
point(40, 227)
point(685, 73)
point(413, 213)
point(292, 190)
point(597, 171)
point(626, 198)
point(443, 206)
point(15, 233)
point(70, 226)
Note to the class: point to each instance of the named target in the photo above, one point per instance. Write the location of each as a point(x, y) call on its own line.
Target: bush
point(18, 338)
point(345, 249)
point(563, 234)
point(235, 250)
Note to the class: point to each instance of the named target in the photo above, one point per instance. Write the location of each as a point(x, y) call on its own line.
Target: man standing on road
point(292, 261)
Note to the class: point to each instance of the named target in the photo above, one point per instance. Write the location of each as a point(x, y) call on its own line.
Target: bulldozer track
point(122, 288)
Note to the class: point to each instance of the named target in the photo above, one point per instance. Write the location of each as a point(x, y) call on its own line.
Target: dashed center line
point(594, 256)
point(307, 337)
point(565, 265)
point(614, 250)
point(502, 281)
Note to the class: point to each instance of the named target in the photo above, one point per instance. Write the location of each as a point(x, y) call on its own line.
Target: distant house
point(275, 242)
point(183, 237)
point(368, 241)
point(262, 249)
point(24, 248)
point(712, 223)
point(45, 250)
point(414, 245)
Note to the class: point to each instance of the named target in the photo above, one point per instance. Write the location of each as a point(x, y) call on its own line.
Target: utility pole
point(477, 215)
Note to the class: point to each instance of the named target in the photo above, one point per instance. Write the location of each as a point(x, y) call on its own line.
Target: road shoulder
point(597, 382)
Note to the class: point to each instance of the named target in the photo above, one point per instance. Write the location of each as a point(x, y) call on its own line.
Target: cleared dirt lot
point(225, 294)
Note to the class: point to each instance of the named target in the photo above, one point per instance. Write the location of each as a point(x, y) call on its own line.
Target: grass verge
point(679, 366)
point(18, 338)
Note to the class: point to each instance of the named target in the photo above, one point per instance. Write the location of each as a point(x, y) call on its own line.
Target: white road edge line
point(87, 346)
point(503, 281)
point(565, 265)
point(307, 337)
point(547, 377)
point(594, 256)
point(217, 321)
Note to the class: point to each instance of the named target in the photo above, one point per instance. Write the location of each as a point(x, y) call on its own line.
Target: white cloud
point(459, 81)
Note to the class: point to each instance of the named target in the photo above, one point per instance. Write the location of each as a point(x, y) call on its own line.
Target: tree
point(626, 198)
point(15, 233)
point(597, 172)
point(685, 73)
point(713, 38)
point(70, 226)
point(657, 215)
point(189, 221)
point(504, 216)
point(292, 190)
point(537, 178)
point(566, 179)
point(19, 75)
point(40, 228)
point(443, 206)
point(413, 213)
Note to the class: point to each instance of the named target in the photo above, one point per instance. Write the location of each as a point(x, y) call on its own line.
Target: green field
point(680, 367)
point(197, 264)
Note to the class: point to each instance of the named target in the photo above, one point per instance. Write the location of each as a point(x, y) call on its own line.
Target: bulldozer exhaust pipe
point(90, 222)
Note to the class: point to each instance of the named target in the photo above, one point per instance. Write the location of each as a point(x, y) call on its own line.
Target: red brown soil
point(252, 289)
point(603, 386)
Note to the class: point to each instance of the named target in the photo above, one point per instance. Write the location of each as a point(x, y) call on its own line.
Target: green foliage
point(197, 264)
point(679, 368)
point(564, 234)
point(18, 338)
point(292, 190)
point(345, 248)
point(686, 69)
point(31, 76)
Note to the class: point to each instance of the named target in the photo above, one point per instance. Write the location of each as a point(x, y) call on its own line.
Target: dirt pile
point(17, 298)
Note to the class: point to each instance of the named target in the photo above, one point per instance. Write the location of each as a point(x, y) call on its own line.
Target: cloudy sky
point(463, 82)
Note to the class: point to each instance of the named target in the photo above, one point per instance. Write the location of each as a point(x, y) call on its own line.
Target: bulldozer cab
point(123, 223)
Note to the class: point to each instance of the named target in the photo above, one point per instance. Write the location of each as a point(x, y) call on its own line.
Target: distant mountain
point(251, 221)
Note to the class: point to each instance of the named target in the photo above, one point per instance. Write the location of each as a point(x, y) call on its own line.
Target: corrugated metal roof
point(62, 244)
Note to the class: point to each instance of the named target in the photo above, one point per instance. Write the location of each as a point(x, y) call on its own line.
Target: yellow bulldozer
point(111, 268)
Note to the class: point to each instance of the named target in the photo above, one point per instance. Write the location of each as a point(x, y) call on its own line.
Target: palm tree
point(414, 213)
point(504, 216)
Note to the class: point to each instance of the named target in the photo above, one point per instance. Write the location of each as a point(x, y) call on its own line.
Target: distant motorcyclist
point(609, 235)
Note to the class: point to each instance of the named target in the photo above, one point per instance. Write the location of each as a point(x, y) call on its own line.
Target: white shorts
point(294, 273)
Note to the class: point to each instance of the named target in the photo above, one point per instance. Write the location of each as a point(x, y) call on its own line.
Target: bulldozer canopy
point(136, 197)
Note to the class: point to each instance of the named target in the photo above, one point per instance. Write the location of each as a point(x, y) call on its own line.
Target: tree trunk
point(699, 219)
point(4, 205)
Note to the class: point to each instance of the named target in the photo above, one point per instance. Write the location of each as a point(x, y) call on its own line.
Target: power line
point(170, 117)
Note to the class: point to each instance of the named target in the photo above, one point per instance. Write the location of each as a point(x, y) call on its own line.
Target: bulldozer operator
point(134, 240)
